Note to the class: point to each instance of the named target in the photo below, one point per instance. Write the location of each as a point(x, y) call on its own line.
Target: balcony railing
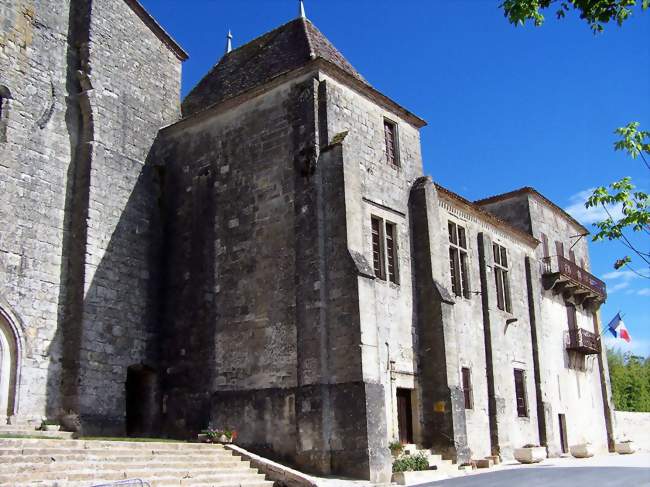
point(564, 276)
point(583, 341)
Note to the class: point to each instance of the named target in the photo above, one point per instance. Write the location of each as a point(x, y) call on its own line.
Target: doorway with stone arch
point(8, 368)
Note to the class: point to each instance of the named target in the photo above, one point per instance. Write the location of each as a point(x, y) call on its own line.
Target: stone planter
point(582, 450)
point(420, 477)
point(533, 454)
point(625, 447)
point(50, 427)
point(204, 438)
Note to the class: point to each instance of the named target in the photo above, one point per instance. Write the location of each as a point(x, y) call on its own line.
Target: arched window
point(5, 96)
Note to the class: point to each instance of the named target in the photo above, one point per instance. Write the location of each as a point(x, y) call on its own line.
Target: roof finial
point(229, 42)
point(302, 9)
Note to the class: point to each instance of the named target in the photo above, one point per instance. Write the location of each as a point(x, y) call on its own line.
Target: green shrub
point(396, 448)
point(411, 463)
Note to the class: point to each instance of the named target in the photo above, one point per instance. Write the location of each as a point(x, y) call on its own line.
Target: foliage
point(635, 205)
point(214, 435)
point(396, 448)
point(630, 378)
point(411, 463)
point(594, 12)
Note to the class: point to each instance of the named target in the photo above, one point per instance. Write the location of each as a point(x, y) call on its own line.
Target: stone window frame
point(391, 142)
point(502, 277)
point(385, 249)
point(466, 387)
point(459, 260)
point(521, 396)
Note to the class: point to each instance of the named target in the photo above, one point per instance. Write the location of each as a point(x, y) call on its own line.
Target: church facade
point(269, 256)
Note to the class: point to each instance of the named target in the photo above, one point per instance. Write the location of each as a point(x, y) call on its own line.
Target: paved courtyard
point(599, 471)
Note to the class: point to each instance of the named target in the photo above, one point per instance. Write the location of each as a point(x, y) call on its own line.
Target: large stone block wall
point(373, 187)
point(34, 162)
point(78, 208)
point(133, 88)
point(633, 426)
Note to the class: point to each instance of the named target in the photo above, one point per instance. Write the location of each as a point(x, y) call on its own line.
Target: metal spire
point(302, 9)
point(229, 42)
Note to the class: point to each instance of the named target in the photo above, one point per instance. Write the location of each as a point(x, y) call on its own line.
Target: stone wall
point(633, 426)
point(77, 205)
point(34, 161)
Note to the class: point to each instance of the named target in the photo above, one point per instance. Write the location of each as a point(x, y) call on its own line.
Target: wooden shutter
point(559, 248)
point(377, 247)
point(545, 245)
point(467, 387)
point(391, 252)
point(520, 393)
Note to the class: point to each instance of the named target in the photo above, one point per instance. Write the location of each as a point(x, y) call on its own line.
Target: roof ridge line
point(312, 53)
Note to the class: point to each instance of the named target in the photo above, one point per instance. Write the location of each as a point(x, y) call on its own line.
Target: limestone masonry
point(269, 257)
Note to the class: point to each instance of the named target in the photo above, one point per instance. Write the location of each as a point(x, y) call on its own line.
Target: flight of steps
point(436, 462)
point(31, 429)
point(84, 463)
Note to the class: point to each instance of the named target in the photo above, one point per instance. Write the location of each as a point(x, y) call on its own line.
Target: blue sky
point(507, 107)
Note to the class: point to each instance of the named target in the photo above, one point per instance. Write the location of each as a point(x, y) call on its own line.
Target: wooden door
point(563, 437)
point(404, 416)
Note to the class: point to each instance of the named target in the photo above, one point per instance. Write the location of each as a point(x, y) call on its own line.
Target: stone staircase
point(436, 462)
point(84, 463)
point(27, 429)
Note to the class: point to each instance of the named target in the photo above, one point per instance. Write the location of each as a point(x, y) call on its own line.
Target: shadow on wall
point(104, 351)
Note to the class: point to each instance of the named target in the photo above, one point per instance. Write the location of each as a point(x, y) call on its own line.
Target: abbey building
point(269, 256)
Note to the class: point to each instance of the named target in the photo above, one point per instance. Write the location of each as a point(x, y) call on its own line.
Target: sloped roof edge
point(157, 29)
point(532, 191)
point(486, 215)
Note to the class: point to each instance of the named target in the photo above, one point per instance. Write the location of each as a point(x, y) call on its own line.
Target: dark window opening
point(572, 318)
point(390, 137)
point(501, 277)
point(520, 393)
point(458, 260)
point(467, 387)
point(385, 250)
point(545, 245)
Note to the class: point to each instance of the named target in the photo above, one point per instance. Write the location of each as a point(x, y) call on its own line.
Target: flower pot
point(582, 450)
point(51, 427)
point(225, 439)
point(625, 447)
point(203, 438)
point(533, 454)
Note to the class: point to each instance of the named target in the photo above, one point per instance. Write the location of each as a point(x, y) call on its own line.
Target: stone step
point(147, 474)
point(62, 458)
point(25, 432)
point(162, 482)
point(112, 452)
point(85, 443)
point(102, 464)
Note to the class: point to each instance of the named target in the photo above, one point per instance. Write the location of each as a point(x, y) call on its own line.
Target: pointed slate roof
point(284, 49)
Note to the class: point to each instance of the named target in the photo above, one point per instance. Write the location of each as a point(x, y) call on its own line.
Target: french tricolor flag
point(617, 328)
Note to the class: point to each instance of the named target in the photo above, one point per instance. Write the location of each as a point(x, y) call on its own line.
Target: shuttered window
point(571, 316)
point(458, 260)
point(520, 393)
point(501, 277)
point(545, 245)
point(385, 250)
point(559, 248)
point(378, 247)
point(467, 387)
point(390, 137)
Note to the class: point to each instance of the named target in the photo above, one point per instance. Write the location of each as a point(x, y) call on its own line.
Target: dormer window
point(390, 137)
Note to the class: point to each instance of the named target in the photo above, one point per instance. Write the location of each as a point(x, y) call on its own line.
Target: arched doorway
point(8, 368)
point(142, 401)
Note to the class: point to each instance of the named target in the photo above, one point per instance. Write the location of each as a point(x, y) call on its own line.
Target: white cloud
point(587, 216)
point(636, 347)
point(644, 292)
point(623, 275)
point(617, 287)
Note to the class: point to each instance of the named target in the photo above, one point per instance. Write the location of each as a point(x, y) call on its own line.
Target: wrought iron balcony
point(565, 277)
point(583, 341)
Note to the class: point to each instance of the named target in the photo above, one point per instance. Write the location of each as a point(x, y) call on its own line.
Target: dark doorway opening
point(404, 416)
point(564, 443)
point(142, 401)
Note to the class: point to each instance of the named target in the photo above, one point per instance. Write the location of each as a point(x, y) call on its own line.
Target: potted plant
point(530, 453)
point(212, 435)
point(50, 425)
point(396, 448)
point(582, 450)
point(625, 447)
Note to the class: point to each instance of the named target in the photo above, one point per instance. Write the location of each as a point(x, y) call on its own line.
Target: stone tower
point(271, 312)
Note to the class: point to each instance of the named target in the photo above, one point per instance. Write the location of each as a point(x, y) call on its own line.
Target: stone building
point(269, 256)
